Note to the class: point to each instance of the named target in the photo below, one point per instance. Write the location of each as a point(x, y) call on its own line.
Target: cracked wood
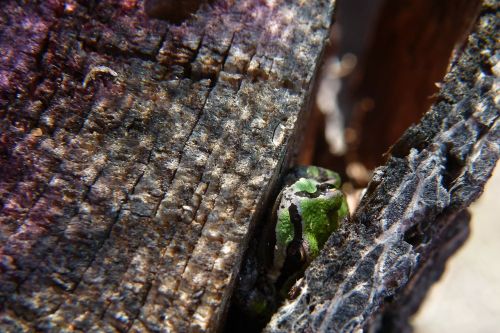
point(135, 155)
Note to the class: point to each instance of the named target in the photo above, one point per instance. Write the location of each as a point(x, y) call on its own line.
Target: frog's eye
point(325, 186)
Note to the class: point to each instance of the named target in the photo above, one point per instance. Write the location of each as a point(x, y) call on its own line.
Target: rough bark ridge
point(135, 155)
point(413, 204)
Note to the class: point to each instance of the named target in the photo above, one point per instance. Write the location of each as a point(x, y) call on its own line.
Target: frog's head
point(308, 212)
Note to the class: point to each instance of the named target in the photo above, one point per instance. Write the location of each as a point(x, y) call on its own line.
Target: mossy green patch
point(320, 217)
point(313, 244)
point(305, 185)
point(313, 172)
point(284, 228)
point(344, 209)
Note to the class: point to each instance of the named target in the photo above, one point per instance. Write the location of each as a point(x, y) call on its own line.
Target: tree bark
point(136, 155)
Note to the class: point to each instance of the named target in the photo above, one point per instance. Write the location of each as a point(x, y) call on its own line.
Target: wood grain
point(127, 201)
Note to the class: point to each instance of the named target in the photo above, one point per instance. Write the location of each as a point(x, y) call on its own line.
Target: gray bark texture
point(412, 216)
point(136, 155)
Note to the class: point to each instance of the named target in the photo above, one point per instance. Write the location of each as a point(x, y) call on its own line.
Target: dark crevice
point(482, 130)
point(486, 69)
point(160, 45)
point(453, 167)
point(115, 53)
point(172, 11)
point(414, 58)
point(39, 65)
point(211, 73)
point(137, 312)
point(418, 235)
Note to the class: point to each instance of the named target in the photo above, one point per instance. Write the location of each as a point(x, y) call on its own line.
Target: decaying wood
point(136, 155)
point(448, 232)
point(412, 216)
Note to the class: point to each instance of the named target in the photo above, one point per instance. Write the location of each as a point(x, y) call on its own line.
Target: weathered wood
point(412, 212)
point(448, 232)
point(136, 155)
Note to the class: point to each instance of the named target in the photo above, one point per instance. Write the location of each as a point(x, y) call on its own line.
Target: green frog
point(308, 209)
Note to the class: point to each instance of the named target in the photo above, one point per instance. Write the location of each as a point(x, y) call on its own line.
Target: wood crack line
point(61, 233)
point(154, 278)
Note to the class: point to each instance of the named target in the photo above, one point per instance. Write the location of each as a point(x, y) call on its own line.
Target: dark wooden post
point(136, 155)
